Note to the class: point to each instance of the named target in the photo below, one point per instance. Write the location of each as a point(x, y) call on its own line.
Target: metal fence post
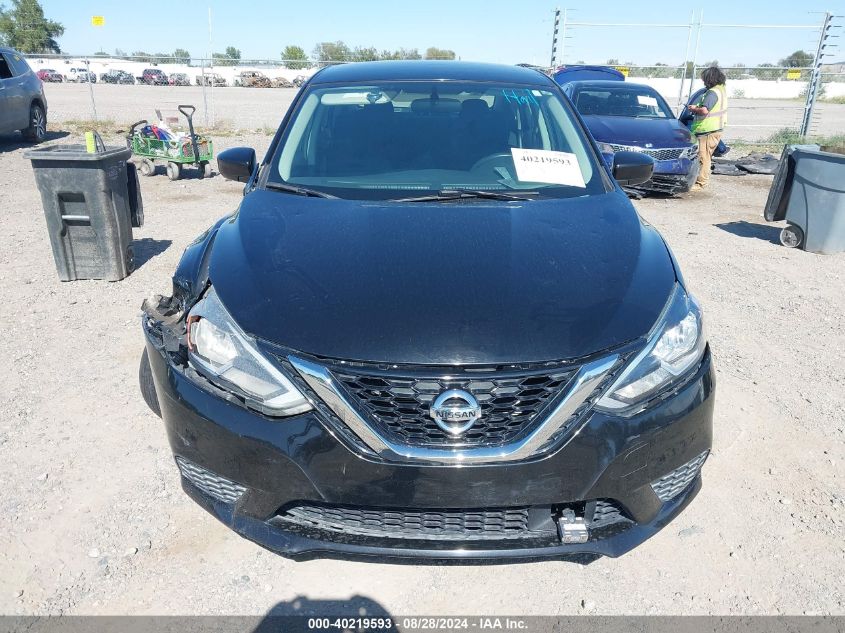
point(204, 97)
point(554, 39)
point(91, 88)
point(686, 59)
point(813, 87)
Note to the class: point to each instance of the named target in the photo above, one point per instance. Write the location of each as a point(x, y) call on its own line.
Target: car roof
point(410, 70)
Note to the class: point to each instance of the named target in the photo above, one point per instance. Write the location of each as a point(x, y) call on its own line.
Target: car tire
point(791, 236)
point(148, 388)
point(37, 130)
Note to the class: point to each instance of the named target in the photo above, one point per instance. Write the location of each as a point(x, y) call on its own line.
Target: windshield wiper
point(300, 191)
point(467, 194)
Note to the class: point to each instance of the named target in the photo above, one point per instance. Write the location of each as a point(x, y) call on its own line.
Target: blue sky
point(480, 30)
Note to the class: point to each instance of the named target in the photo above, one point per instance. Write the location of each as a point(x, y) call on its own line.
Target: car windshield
point(622, 100)
point(396, 140)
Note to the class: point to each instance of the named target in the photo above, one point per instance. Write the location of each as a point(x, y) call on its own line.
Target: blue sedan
point(624, 116)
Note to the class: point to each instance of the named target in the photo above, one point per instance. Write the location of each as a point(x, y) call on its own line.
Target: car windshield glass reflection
point(402, 140)
point(627, 101)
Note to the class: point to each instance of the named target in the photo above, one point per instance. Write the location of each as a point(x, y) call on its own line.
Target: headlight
point(606, 148)
point(690, 152)
point(228, 357)
point(674, 348)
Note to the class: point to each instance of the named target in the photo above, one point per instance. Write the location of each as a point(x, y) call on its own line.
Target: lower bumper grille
point(488, 524)
point(668, 183)
point(218, 487)
point(672, 484)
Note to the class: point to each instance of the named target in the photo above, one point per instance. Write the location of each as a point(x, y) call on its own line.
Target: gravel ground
point(262, 108)
point(93, 521)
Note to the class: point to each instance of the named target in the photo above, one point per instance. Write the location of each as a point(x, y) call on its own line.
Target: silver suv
point(22, 103)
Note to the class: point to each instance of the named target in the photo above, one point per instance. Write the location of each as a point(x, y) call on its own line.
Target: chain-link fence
point(768, 103)
point(765, 100)
point(208, 74)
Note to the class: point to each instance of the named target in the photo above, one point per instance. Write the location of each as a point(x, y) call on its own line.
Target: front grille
point(671, 485)
point(488, 524)
point(209, 482)
point(663, 153)
point(512, 403)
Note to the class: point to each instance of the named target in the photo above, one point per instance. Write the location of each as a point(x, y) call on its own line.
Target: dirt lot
point(262, 108)
point(92, 519)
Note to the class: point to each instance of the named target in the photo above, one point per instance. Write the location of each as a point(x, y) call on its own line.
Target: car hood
point(443, 283)
point(640, 132)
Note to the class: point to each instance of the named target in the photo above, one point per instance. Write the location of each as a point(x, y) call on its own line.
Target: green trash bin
point(87, 204)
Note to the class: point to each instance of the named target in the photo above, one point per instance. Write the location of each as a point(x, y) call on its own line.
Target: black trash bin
point(89, 209)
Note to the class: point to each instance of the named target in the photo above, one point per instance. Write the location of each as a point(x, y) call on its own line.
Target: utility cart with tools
point(150, 143)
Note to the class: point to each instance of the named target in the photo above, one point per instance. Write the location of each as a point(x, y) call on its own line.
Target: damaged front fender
point(164, 317)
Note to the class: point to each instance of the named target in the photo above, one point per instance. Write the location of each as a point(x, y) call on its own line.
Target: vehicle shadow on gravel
point(741, 228)
point(12, 142)
point(147, 248)
point(279, 617)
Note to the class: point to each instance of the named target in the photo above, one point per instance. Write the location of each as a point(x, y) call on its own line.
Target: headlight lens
point(690, 152)
point(227, 356)
point(675, 347)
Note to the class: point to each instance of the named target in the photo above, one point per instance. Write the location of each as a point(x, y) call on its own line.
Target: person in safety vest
point(710, 118)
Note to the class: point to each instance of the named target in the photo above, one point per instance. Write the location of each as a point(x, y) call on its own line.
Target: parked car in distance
point(252, 79)
point(210, 79)
point(117, 76)
point(495, 340)
point(80, 75)
point(23, 105)
point(49, 75)
point(153, 77)
point(629, 117)
point(178, 79)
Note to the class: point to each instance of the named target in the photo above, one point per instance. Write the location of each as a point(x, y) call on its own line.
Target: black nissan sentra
point(435, 328)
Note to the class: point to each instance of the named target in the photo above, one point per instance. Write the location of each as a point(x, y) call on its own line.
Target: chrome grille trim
point(660, 153)
point(581, 386)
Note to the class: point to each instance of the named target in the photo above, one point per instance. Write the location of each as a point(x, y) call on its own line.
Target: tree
point(230, 58)
point(439, 53)
point(294, 57)
point(332, 52)
point(119, 52)
point(368, 54)
point(101, 53)
point(612, 62)
point(798, 59)
point(181, 56)
point(402, 53)
point(25, 28)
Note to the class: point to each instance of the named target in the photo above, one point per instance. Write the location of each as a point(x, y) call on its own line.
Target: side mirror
point(237, 163)
point(629, 168)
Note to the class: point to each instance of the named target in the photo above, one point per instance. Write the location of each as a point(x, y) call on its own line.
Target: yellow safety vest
point(716, 117)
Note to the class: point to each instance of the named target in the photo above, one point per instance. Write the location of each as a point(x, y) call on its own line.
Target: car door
point(14, 113)
point(18, 90)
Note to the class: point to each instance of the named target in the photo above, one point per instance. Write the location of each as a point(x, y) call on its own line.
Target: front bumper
point(271, 464)
point(670, 177)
